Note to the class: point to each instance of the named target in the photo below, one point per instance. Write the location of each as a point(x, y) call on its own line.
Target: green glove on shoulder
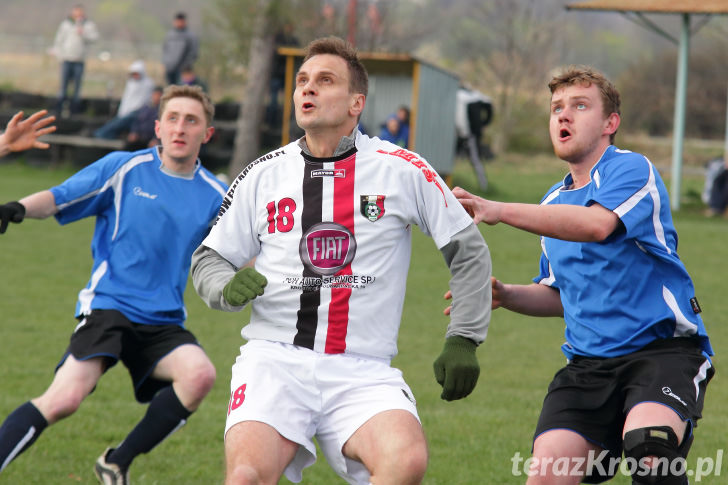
point(244, 286)
point(457, 368)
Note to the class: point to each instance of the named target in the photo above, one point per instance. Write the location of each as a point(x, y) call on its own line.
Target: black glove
point(457, 368)
point(11, 212)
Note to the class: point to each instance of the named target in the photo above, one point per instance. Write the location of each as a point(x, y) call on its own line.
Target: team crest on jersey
point(372, 207)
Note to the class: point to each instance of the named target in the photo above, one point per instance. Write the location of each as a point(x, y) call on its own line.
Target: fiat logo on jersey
point(327, 247)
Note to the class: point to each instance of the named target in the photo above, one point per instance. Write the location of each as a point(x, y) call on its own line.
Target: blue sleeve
point(628, 187)
point(89, 191)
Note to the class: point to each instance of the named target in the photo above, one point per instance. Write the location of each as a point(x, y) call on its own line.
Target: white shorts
point(302, 394)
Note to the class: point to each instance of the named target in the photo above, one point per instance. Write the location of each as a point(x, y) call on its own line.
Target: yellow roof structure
point(655, 6)
point(636, 10)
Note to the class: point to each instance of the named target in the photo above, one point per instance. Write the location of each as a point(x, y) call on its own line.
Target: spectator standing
point(74, 35)
point(137, 93)
point(473, 112)
point(180, 48)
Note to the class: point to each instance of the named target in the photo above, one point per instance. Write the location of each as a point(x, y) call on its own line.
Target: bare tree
point(247, 137)
point(264, 18)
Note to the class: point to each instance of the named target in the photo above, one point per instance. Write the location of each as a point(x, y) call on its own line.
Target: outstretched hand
point(480, 209)
point(246, 285)
point(22, 134)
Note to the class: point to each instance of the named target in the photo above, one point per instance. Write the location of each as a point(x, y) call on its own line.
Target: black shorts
point(109, 334)
point(592, 396)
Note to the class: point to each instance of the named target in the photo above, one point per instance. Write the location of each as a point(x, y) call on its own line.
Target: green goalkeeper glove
point(244, 286)
point(457, 368)
point(11, 212)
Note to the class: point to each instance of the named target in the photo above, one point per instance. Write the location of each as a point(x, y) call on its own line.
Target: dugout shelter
point(396, 80)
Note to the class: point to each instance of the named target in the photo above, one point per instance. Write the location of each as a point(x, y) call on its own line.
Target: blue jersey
point(622, 293)
point(148, 223)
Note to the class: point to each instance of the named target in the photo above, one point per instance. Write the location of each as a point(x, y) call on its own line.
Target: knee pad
point(669, 466)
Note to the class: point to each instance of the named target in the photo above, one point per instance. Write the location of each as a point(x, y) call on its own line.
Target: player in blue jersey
point(153, 207)
point(638, 353)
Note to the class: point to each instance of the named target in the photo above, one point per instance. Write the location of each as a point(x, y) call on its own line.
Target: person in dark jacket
point(180, 48)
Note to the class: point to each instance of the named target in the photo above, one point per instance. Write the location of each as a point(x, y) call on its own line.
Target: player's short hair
point(359, 79)
point(194, 92)
point(586, 76)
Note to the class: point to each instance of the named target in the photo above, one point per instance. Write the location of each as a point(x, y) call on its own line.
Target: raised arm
point(37, 206)
point(560, 221)
point(22, 134)
point(535, 299)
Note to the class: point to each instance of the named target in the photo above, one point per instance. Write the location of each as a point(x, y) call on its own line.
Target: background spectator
point(137, 93)
point(473, 112)
point(180, 48)
point(189, 77)
point(396, 128)
point(70, 47)
point(715, 193)
point(391, 131)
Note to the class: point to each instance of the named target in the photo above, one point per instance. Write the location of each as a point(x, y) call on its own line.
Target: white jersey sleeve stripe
point(649, 188)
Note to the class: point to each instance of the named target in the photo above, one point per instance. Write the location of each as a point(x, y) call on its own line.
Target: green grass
point(43, 266)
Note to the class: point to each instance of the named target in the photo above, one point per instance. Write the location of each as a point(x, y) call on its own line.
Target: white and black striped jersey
point(333, 238)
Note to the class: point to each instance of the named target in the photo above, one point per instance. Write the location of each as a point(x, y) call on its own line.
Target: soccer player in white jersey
point(638, 353)
point(327, 220)
point(153, 207)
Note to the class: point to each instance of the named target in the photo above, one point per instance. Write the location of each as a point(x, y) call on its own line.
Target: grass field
point(473, 441)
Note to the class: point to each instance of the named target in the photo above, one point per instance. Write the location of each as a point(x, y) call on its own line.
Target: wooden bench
point(62, 145)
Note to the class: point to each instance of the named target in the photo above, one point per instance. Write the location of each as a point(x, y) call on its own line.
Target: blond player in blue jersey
point(152, 208)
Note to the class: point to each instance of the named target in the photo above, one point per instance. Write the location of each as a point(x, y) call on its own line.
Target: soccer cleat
point(110, 473)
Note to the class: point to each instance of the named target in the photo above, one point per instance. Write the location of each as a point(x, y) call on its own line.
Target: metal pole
point(679, 121)
point(725, 146)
